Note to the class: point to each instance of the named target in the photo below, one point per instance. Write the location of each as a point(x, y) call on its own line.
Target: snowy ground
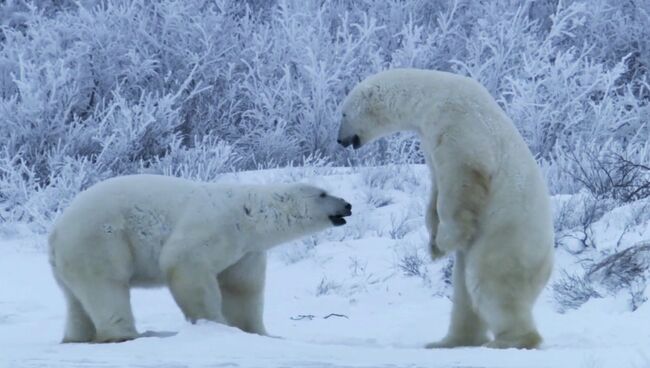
point(354, 296)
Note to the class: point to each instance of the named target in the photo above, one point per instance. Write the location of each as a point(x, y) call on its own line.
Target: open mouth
point(337, 220)
point(355, 141)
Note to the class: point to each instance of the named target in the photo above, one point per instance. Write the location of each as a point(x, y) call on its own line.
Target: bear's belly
point(146, 266)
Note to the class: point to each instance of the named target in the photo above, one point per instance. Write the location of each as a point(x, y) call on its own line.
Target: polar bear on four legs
point(206, 242)
point(489, 203)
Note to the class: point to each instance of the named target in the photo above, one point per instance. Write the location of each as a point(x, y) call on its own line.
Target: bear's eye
point(345, 115)
point(323, 195)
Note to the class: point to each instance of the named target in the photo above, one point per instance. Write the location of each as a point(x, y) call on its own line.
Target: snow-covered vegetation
point(196, 88)
point(90, 90)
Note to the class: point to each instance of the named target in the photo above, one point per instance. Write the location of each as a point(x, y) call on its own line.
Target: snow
point(337, 299)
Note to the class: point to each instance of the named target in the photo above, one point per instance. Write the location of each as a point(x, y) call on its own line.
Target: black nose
point(347, 209)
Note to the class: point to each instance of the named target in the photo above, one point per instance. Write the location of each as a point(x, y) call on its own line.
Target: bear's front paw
point(436, 253)
point(450, 238)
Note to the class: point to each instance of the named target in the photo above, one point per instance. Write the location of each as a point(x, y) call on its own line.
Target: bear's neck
point(413, 104)
point(434, 104)
point(275, 219)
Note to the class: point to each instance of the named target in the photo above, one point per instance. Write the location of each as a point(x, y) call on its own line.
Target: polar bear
point(205, 241)
point(489, 203)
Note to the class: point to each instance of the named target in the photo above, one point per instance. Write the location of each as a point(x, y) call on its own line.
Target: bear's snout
point(338, 218)
point(354, 140)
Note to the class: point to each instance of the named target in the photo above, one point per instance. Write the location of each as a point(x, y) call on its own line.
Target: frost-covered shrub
point(412, 264)
point(376, 198)
point(611, 175)
point(627, 270)
point(204, 160)
point(124, 86)
point(574, 220)
point(622, 269)
point(392, 178)
point(448, 272)
point(572, 291)
point(326, 287)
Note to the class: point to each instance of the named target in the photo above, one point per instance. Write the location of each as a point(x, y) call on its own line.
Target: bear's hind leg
point(107, 302)
point(78, 326)
point(467, 328)
point(504, 293)
point(511, 321)
point(242, 288)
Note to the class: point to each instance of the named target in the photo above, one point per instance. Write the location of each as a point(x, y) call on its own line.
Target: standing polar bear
point(206, 242)
point(489, 203)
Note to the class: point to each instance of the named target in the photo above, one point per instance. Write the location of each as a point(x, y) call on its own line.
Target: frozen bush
point(357, 267)
point(401, 225)
point(622, 269)
point(326, 287)
point(572, 291)
point(195, 88)
point(204, 160)
point(412, 263)
point(627, 270)
point(448, 272)
point(377, 198)
point(611, 175)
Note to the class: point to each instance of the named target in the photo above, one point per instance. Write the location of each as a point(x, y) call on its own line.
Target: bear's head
point(370, 111)
point(315, 205)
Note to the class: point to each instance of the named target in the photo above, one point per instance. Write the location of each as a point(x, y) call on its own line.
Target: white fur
point(489, 203)
point(206, 242)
